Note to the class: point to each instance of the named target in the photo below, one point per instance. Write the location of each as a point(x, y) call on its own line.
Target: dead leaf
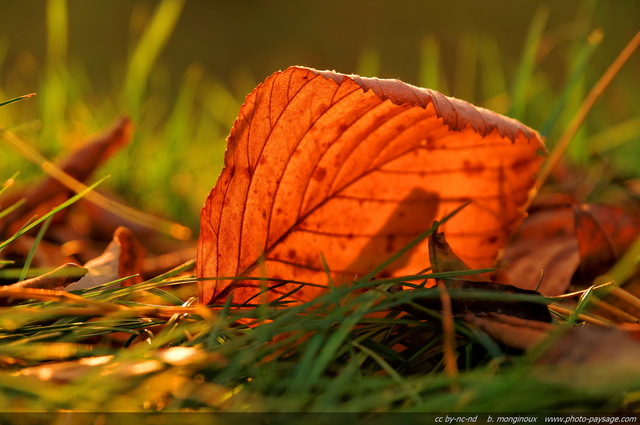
point(123, 257)
point(545, 243)
point(354, 168)
point(55, 279)
point(604, 233)
point(569, 243)
point(79, 164)
point(443, 259)
point(591, 358)
point(595, 344)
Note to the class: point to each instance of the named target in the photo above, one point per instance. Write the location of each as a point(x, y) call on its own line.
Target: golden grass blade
point(448, 335)
point(583, 317)
point(584, 109)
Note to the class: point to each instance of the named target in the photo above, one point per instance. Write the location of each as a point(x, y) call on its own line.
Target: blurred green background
point(181, 69)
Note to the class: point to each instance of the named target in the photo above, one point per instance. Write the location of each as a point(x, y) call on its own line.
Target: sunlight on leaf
point(354, 168)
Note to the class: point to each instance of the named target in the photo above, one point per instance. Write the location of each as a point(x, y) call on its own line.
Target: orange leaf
point(351, 168)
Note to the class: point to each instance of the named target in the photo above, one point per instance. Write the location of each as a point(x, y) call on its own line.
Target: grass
point(337, 353)
point(331, 354)
point(146, 350)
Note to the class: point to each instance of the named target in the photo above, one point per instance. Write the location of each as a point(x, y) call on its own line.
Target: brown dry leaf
point(594, 344)
point(79, 165)
point(443, 259)
point(604, 233)
point(55, 279)
point(123, 257)
point(591, 357)
point(545, 242)
point(354, 168)
point(570, 243)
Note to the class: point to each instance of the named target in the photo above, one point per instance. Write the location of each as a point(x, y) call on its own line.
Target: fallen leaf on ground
point(79, 164)
point(55, 279)
point(594, 344)
point(593, 357)
point(443, 259)
point(122, 258)
point(544, 254)
point(604, 233)
point(567, 243)
point(351, 168)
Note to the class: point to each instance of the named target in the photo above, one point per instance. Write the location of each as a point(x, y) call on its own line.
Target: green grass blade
point(57, 31)
point(217, 328)
point(391, 371)
point(525, 69)
point(327, 350)
point(177, 128)
point(54, 91)
point(430, 74)
point(147, 51)
point(369, 62)
point(582, 305)
point(492, 76)
point(174, 272)
point(626, 265)
point(16, 99)
point(614, 137)
point(9, 182)
point(466, 68)
point(172, 299)
point(579, 65)
point(34, 247)
point(11, 208)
